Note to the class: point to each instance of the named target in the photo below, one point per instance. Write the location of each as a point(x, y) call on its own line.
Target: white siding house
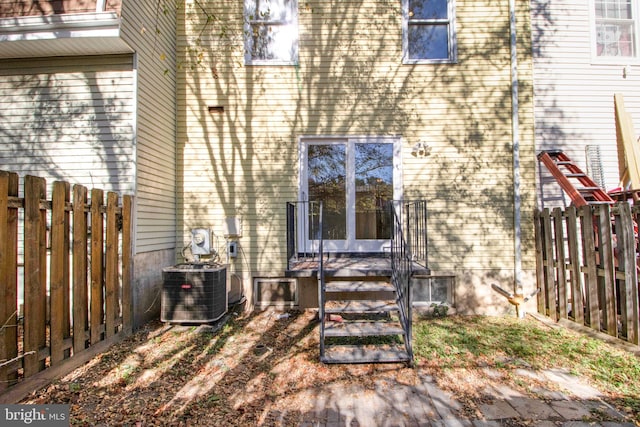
point(584, 52)
point(89, 97)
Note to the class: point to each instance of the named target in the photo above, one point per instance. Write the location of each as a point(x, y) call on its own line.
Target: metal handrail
point(401, 268)
point(413, 216)
point(302, 229)
point(305, 241)
point(321, 279)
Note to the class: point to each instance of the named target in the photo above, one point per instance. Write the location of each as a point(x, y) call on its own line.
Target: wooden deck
point(348, 266)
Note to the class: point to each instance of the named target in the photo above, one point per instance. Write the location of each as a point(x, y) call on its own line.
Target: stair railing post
point(321, 282)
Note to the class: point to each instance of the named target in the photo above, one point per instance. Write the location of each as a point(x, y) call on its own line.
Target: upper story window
point(616, 32)
point(429, 34)
point(270, 32)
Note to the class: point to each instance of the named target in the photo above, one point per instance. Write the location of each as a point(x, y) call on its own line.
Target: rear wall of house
point(243, 162)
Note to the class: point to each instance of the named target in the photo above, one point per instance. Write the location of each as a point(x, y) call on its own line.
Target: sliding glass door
point(354, 178)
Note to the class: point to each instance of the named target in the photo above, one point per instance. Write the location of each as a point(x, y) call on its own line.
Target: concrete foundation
point(471, 291)
point(147, 284)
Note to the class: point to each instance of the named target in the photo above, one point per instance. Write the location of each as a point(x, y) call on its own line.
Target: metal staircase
point(366, 318)
point(362, 322)
point(364, 300)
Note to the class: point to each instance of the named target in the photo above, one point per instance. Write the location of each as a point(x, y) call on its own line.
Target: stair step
point(360, 306)
point(588, 189)
point(362, 329)
point(359, 286)
point(365, 354)
point(575, 175)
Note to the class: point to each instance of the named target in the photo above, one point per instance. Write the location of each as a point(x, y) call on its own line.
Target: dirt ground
point(257, 369)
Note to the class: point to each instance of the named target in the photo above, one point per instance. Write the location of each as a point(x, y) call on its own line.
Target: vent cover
point(193, 293)
point(275, 292)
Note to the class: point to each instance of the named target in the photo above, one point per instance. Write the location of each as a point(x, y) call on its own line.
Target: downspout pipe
point(515, 129)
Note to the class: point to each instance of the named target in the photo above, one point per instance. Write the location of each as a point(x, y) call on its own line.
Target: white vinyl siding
point(151, 32)
point(66, 121)
point(574, 97)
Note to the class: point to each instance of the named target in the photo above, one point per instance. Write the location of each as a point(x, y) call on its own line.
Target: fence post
point(127, 315)
point(35, 263)
point(8, 273)
point(539, 237)
point(60, 301)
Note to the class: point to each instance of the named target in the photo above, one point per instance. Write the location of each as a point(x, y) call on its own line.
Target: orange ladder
point(581, 189)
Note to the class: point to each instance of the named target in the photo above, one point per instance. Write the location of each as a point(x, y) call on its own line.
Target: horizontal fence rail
point(587, 267)
point(68, 261)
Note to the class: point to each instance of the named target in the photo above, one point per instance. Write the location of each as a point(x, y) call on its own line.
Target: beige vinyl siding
point(574, 105)
point(69, 119)
point(151, 33)
point(350, 80)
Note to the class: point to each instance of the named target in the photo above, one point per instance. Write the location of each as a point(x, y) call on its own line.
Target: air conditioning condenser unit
point(194, 293)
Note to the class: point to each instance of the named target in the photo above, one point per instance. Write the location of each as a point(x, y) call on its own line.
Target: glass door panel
point(373, 189)
point(326, 181)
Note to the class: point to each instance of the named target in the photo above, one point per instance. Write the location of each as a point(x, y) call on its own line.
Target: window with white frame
point(270, 32)
point(429, 34)
point(616, 31)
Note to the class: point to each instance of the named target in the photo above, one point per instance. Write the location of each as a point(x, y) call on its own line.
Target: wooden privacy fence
point(76, 280)
point(587, 267)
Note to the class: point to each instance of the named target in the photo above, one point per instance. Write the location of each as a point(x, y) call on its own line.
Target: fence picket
point(628, 289)
point(577, 303)
point(592, 313)
point(561, 288)
point(79, 268)
point(60, 321)
point(550, 274)
point(111, 282)
point(96, 309)
point(606, 279)
point(35, 289)
point(9, 283)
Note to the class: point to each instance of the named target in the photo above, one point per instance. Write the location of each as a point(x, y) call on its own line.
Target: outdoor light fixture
point(421, 149)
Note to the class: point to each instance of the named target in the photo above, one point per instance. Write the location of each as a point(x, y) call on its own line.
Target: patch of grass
point(468, 342)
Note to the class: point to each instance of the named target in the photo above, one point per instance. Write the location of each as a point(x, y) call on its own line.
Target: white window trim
point(453, 42)
point(614, 60)
point(247, 27)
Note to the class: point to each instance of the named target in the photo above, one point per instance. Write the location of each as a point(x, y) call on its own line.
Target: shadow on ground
point(261, 369)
